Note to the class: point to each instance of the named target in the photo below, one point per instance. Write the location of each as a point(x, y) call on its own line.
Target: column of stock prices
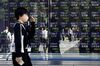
point(59, 18)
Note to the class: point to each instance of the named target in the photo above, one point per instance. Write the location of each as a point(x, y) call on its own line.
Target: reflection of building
point(81, 14)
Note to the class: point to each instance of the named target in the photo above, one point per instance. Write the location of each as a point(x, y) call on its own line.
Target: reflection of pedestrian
point(63, 34)
point(6, 40)
point(12, 45)
point(20, 55)
point(70, 34)
point(8, 33)
point(44, 38)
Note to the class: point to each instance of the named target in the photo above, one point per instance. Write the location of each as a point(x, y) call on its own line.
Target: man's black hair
point(20, 11)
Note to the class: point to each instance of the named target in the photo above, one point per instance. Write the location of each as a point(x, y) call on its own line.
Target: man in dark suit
point(21, 37)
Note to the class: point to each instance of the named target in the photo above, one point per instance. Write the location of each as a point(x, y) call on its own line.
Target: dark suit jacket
point(26, 31)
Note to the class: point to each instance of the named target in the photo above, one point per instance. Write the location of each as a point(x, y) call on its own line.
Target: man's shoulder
point(16, 24)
